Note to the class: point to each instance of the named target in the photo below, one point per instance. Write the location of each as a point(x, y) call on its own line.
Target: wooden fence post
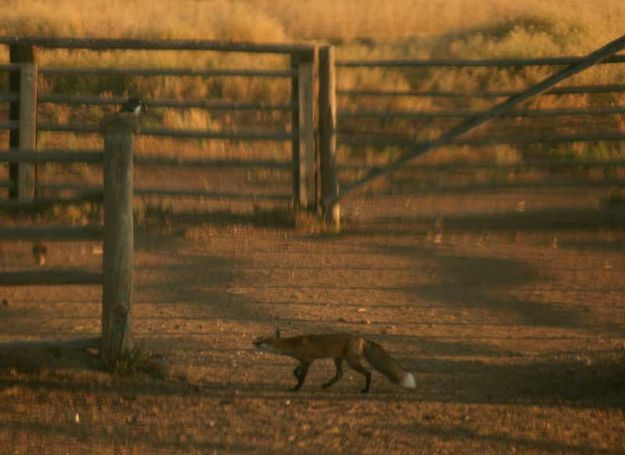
point(303, 123)
point(327, 138)
point(117, 263)
point(24, 111)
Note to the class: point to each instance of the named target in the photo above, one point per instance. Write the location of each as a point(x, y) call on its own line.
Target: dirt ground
point(508, 307)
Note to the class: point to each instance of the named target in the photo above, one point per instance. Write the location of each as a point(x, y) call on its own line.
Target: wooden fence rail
point(60, 98)
point(152, 44)
point(253, 135)
point(359, 138)
point(463, 113)
point(50, 278)
point(55, 233)
point(558, 91)
point(460, 63)
point(229, 72)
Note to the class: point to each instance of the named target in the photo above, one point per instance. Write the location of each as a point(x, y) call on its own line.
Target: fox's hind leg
point(338, 363)
point(357, 365)
point(300, 373)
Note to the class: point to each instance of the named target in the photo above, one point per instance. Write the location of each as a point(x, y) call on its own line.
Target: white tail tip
point(408, 381)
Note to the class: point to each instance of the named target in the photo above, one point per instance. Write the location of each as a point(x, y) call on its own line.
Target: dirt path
point(510, 311)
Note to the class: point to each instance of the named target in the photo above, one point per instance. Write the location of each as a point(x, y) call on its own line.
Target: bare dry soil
point(509, 308)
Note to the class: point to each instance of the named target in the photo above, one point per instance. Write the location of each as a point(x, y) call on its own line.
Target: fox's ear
point(277, 328)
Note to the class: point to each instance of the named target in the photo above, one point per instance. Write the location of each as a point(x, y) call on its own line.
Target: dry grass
point(393, 29)
point(280, 20)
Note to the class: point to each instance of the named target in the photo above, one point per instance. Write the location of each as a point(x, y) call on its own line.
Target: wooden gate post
point(23, 111)
point(331, 209)
point(303, 125)
point(117, 263)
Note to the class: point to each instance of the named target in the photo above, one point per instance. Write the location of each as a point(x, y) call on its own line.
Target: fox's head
point(268, 343)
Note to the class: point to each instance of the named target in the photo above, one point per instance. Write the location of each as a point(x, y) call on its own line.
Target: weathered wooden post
point(23, 111)
point(331, 210)
point(117, 264)
point(303, 123)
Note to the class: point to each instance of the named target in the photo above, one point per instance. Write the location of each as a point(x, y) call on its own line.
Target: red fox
point(342, 346)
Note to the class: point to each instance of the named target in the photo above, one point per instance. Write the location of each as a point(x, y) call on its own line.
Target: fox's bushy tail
point(382, 361)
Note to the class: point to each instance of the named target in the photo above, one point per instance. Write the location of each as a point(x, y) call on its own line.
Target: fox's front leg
point(300, 373)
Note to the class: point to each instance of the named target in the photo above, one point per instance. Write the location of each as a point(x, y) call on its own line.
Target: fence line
point(94, 156)
point(83, 196)
point(50, 278)
point(9, 125)
point(311, 134)
point(462, 113)
point(54, 233)
point(358, 138)
point(51, 156)
point(154, 160)
point(171, 192)
point(485, 187)
point(603, 54)
point(300, 72)
point(58, 98)
point(460, 63)
point(9, 96)
point(566, 90)
point(255, 135)
point(153, 44)
point(460, 166)
point(224, 72)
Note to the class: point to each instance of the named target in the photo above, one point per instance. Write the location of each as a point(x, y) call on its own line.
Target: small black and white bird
point(135, 105)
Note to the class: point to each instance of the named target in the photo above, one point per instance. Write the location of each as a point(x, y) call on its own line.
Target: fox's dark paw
point(364, 391)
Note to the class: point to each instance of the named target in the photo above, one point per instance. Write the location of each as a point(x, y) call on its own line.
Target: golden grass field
point(581, 25)
point(363, 29)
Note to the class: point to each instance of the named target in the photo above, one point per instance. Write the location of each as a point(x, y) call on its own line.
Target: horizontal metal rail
point(10, 67)
point(177, 133)
point(174, 192)
point(84, 196)
point(212, 194)
point(9, 125)
point(55, 233)
point(154, 160)
point(460, 113)
point(227, 135)
point(460, 63)
point(95, 156)
point(473, 166)
point(169, 103)
point(209, 72)
point(51, 156)
point(50, 278)
point(480, 187)
point(155, 44)
point(54, 345)
point(9, 96)
point(567, 90)
point(359, 138)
